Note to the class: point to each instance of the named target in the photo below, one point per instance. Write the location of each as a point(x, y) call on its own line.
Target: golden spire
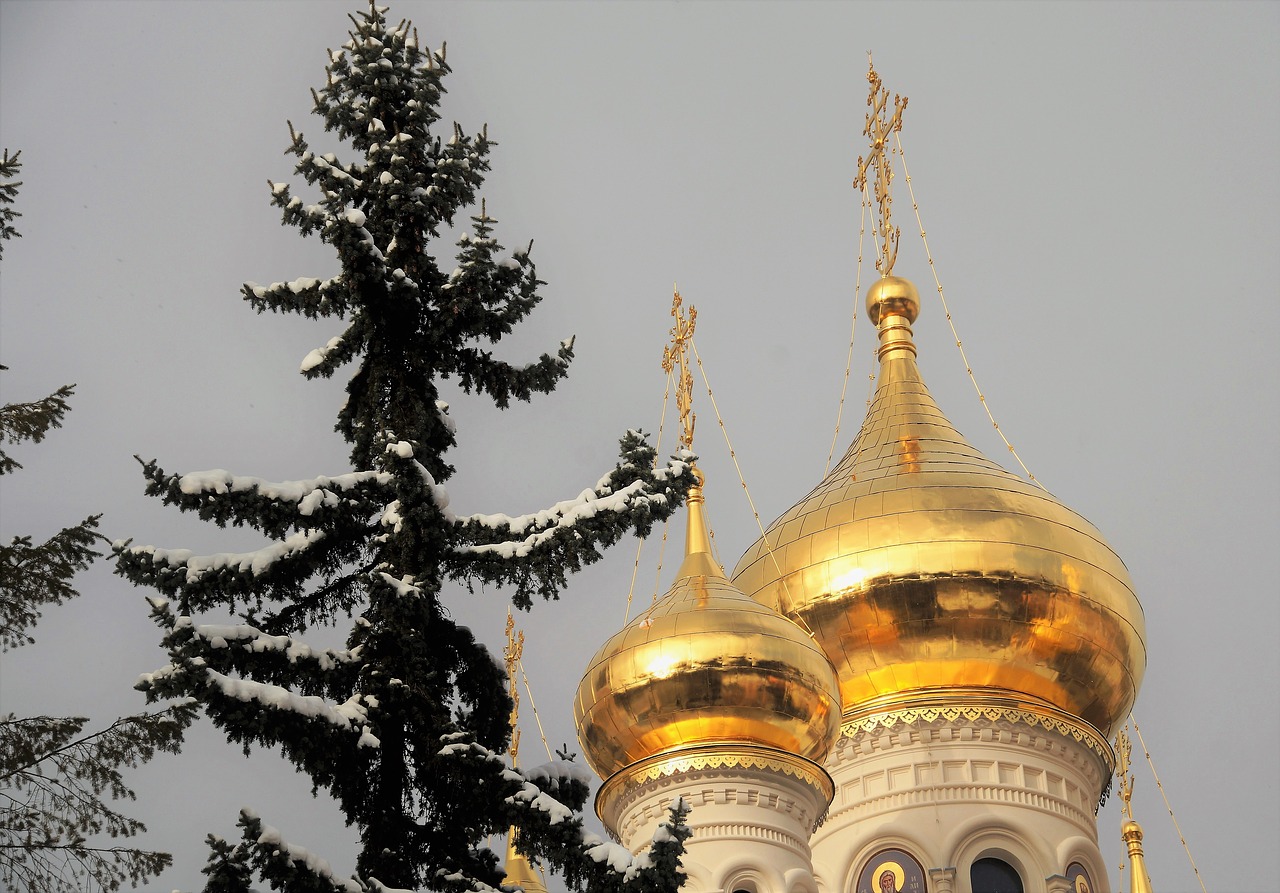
point(520, 873)
point(1130, 830)
point(878, 128)
point(697, 543)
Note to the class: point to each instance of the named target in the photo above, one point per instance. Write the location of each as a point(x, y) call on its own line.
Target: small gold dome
point(705, 665)
point(924, 569)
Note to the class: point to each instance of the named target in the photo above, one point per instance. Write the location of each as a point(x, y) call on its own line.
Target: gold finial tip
point(893, 296)
point(695, 496)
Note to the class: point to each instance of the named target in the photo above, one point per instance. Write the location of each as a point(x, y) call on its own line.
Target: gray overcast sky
point(1099, 187)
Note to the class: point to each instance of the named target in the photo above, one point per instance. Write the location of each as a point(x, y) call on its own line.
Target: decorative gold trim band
point(710, 756)
point(929, 707)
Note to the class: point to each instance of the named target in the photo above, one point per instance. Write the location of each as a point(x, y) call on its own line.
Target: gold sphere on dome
point(893, 295)
point(929, 574)
point(705, 665)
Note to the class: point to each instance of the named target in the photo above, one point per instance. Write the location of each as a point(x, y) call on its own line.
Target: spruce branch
point(33, 576)
point(22, 422)
point(9, 167)
point(53, 780)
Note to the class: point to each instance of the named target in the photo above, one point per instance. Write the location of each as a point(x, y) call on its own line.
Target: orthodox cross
point(879, 127)
point(1124, 750)
point(678, 352)
point(511, 657)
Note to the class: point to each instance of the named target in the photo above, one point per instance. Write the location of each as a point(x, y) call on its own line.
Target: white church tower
point(986, 644)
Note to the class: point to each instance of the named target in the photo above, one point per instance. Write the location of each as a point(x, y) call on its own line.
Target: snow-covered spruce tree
point(406, 724)
point(56, 779)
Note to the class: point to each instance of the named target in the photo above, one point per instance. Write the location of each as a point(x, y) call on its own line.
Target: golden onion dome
point(931, 575)
point(705, 665)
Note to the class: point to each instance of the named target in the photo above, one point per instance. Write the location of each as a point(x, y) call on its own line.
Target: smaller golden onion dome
point(705, 665)
point(930, 575)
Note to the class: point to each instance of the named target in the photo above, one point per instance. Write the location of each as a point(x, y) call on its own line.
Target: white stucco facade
point(945, 786)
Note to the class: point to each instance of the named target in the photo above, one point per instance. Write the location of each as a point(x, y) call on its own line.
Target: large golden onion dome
point(705, 665)
point(930, 575)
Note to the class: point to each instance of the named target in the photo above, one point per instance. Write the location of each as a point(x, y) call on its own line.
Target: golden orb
point(893, 295)
point(929, 574)
point(705, 665)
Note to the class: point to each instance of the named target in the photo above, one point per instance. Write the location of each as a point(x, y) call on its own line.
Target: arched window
point(994, 876)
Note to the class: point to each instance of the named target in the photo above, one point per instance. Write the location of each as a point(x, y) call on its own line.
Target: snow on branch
point(404, 587)
point(255, 563)
point(351, 714)
point(289, 858)
point(307, 494)
point(536, 553)
point(307, 295)
point(404, 451)
point(560, 516)
point(337, 504)
point(250, 638)
point(318, 356)
point(589, 503)
point(559, 772)
point(271, 837)
point(531, 794)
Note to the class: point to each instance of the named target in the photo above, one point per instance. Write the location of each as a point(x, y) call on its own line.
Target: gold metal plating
point(725, 756)
point(921, 565)
point(879, 127)
point(705, 665)
point(894, 296)
point(1139, 880)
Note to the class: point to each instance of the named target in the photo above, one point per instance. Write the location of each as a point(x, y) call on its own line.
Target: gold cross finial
point(879, 127)
point(678, 352)
point(1124, 750)
point(511, 657)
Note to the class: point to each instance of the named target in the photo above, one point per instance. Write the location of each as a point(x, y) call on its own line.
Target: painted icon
point(891, 871)
point(1079, 878)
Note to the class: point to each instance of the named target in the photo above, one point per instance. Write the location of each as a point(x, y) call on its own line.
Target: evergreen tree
point(405, 725)
point(54, 775)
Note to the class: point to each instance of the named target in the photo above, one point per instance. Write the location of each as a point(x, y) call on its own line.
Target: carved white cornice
point(981, 713)
point(1026, 738)
point(754, 777)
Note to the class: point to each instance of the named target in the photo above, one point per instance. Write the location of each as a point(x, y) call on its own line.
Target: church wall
point(750, 825)
point(952, 791)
